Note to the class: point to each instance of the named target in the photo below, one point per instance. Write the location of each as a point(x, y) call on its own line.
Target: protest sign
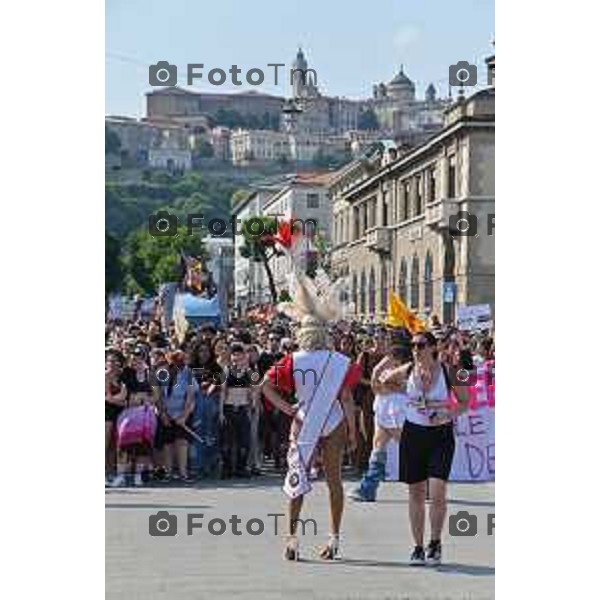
point(475, 317)
point(474, 456)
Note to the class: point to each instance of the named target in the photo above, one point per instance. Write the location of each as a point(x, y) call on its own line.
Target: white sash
point(320, 398)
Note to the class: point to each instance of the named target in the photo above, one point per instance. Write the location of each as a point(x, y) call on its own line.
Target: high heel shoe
point(292, 550)
point(332, 550)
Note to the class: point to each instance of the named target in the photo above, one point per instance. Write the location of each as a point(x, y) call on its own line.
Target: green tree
point(113, 266)
point(112, 141)
point(205, 149)
point(367, 119)
point(239, 196)
point(150, 260)
point(260, 247)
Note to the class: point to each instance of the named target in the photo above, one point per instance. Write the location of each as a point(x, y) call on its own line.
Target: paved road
point(376, 545)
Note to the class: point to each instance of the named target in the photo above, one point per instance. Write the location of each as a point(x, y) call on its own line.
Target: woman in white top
point(389, 408)
point(427, 441)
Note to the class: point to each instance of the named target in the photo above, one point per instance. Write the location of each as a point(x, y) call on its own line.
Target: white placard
point(474, 317)
point(475, 453)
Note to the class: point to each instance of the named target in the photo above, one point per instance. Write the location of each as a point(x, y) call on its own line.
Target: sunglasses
point(420, 345)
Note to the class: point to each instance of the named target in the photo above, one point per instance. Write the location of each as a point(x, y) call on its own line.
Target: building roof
point(401, 80)
point(175, 90)
point(464, 120)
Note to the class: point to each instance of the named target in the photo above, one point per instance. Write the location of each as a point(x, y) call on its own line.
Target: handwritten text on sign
point(475, 454)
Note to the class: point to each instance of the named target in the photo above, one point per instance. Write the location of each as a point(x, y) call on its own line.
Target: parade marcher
point(389, 409)
point(323, 413)
point(427, 441)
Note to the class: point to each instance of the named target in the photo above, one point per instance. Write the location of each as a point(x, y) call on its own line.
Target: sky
point(351, 44)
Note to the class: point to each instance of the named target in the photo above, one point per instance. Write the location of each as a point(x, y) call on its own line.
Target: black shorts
point(168, 434)
point(111, 412)
point(426, 452)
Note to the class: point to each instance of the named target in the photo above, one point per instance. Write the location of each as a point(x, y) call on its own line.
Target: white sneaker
point(118, 481)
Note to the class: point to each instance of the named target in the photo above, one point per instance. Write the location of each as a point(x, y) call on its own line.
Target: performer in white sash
point(323, 415)
point(321, 379)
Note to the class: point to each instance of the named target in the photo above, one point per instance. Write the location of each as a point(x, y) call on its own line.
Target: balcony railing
point(379, 239)
point(437, 215)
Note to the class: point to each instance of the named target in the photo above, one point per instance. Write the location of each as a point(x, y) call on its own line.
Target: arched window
point(363, 293)
point(414, 283)
point(428, 279)
point(384, 289)
point(372, 292)
point(355, 292)
point(403, 281)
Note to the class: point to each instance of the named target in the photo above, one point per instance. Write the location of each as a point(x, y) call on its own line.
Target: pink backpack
point(136, 425)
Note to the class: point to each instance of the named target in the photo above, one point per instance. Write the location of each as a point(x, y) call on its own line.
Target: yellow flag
point(399, 315)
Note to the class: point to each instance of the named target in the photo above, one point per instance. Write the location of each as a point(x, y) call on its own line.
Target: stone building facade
point(391, 217)
point(178, 102)
point(398, 109)
point(306, 198)
point(395, 105)
point(259, 146)
point(250, 286)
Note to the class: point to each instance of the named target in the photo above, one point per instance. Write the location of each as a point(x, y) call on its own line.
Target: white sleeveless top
point(421, 406)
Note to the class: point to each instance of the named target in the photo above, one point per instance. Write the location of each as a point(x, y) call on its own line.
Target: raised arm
point(397, 376)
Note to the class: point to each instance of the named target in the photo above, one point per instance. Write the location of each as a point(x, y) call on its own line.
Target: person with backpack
point(136, 425)
point(427, 441)
point(115, 395)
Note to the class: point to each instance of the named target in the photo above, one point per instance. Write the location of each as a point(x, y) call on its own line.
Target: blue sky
point(350, 44)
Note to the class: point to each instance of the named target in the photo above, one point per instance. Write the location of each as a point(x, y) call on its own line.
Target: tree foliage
point(113, 265)
point(367, 120)
point(150, 261)
point(260, 246)
point(112, 141)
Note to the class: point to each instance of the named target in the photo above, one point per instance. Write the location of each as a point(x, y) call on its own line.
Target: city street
point(376, 545)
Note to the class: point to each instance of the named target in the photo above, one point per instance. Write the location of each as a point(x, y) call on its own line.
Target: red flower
point(285, 234)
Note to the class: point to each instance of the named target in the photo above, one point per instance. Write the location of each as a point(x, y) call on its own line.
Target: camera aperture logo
point(162, 524)
point(464, 524)
point(463, 223)
point(462, 74)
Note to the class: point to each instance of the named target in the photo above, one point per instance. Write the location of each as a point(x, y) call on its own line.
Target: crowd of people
point(212, 416)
